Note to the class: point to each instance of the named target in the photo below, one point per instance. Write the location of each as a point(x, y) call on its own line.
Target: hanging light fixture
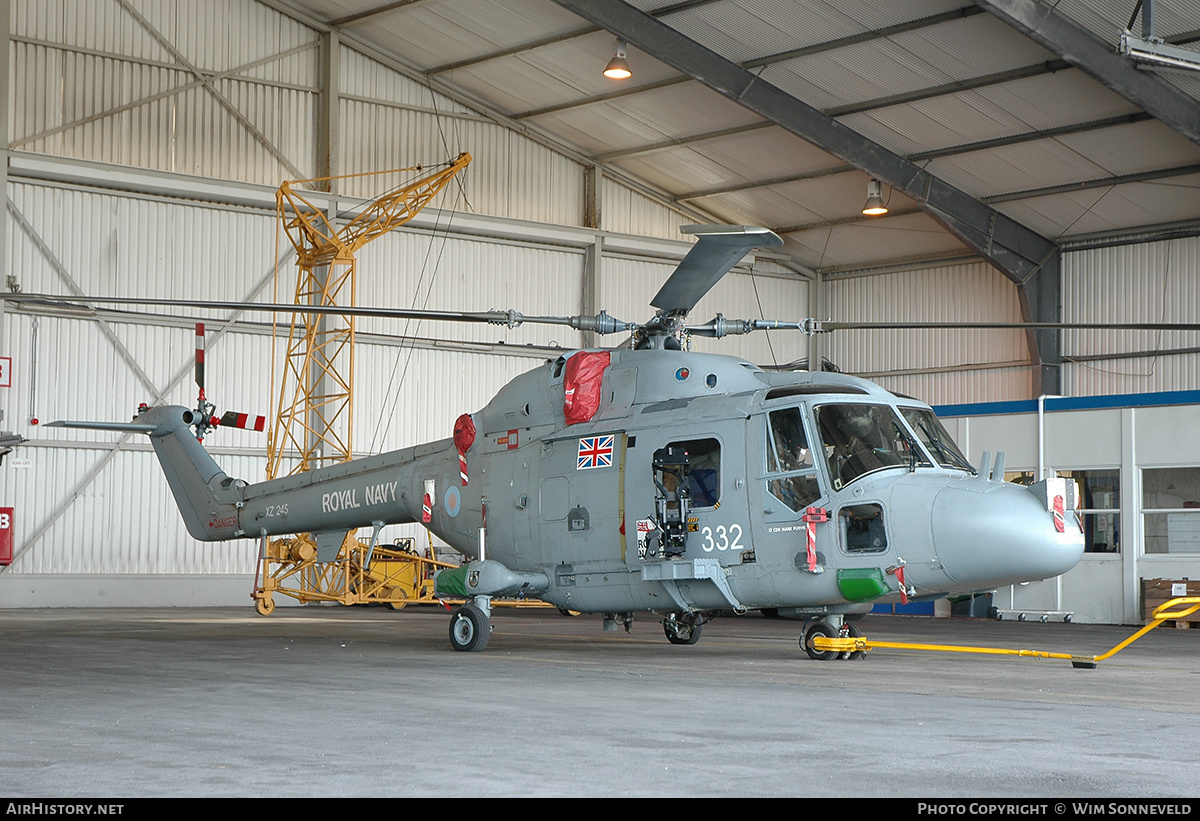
point(874, 206)
point(618, 66)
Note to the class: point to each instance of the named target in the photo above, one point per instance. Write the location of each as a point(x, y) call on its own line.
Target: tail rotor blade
point(200, 358)
point(233, 419)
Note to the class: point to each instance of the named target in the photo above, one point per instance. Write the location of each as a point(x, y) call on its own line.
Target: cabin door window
point(687, 477)
point(791, 472)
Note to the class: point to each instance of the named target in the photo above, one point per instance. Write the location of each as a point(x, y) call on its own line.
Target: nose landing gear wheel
point(852, 632)
point(818, 629)
point(469, 629)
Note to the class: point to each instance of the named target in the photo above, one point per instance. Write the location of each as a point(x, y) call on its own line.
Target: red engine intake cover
point(464, 433)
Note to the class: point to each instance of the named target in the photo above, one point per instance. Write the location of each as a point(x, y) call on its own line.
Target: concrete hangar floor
point(364, 701)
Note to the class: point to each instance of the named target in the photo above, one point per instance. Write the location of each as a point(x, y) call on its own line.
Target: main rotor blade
point(818, 326)
point(600, 323)
point(721, 327)
point(719, 248)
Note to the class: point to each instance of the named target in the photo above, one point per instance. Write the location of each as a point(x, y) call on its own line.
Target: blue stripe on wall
point(1126, 400)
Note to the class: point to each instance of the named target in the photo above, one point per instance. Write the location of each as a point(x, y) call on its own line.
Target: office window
point(1171, 510)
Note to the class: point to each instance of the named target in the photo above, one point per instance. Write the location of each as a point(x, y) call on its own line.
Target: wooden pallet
point(1156, 592)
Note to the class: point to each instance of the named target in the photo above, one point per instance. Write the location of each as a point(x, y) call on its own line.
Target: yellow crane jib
point(319, 242)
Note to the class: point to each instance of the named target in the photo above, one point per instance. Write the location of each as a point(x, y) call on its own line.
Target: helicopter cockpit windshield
point(936, 439)
point(859, 439)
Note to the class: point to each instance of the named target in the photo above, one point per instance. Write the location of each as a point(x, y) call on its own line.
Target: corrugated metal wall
point(66, 241)
point(937, 366)
point(99, 81)
point(627, 212)
point(1149, 282)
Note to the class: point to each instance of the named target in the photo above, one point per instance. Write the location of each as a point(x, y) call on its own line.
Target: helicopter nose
point(996, 533)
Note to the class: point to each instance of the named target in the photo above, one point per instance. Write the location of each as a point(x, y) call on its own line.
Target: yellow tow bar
point(1163, 612)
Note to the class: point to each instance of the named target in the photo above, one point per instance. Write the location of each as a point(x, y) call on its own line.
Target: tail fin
point(207, 497)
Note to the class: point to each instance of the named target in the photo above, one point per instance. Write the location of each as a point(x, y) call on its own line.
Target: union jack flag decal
point(595, 452)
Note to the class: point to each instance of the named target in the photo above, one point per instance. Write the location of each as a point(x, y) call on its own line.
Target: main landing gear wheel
point(685, 630)
point(469, 629)
point(818, 629)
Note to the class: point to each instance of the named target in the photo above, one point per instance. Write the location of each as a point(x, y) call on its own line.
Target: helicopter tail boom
point(216, 507)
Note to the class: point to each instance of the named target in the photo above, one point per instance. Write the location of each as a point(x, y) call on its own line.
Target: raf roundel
point(452, 502)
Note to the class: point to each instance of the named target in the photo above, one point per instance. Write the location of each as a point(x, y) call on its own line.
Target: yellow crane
point(313, 424)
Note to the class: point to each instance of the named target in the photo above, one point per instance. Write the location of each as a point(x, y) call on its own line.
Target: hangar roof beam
point(1084, 50)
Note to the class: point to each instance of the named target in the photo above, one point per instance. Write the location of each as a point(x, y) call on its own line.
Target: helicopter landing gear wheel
point(469, 629)
point(682, 630)
point(397, 599)
point(849, 631)
point(265, 605)
point(818, 629)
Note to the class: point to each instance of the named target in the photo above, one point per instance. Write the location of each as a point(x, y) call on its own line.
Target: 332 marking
point(722, 538)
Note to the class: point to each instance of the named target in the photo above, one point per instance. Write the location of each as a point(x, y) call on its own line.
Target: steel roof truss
point(1099, 59)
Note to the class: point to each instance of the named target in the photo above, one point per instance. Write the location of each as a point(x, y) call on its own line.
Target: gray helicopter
point(650, 478)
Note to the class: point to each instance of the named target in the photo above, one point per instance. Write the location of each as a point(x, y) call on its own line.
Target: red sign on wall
point(6, 535)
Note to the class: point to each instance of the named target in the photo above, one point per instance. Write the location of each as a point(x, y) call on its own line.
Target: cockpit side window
point(790, 459)
point(862, 528)
point(859, 439)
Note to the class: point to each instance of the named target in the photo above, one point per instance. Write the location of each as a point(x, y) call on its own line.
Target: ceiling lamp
point(1150, 50)
point(874, 206)
point(618, 66)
